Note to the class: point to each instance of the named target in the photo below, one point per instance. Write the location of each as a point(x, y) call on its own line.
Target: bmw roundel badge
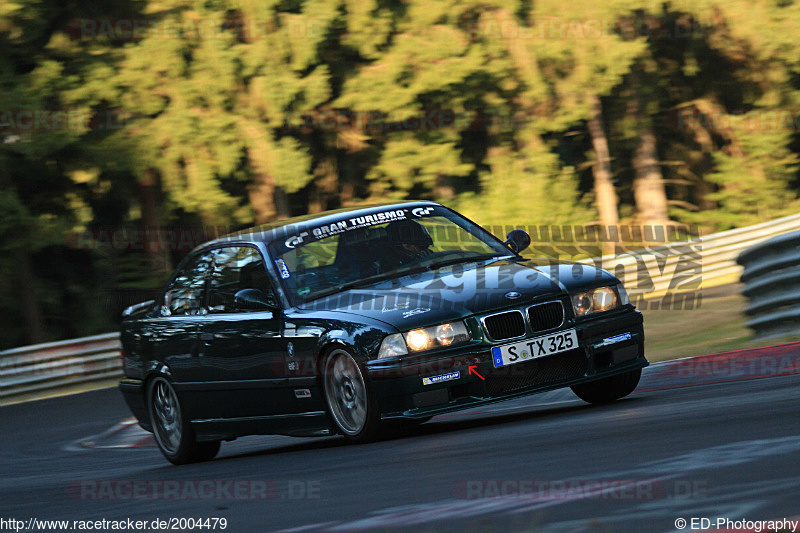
point(513, 295)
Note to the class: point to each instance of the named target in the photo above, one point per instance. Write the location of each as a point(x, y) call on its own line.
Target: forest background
point(116, 117)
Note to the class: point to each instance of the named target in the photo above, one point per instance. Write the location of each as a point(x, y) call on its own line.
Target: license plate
point(519, 352)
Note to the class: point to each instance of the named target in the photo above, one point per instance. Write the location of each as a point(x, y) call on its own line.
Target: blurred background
point(130, 132)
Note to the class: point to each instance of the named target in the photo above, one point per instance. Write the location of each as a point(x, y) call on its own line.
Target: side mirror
point(253, 300)
point(138, 309)
point(517, 240)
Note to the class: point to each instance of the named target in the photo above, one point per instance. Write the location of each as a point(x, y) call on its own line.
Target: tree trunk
point(261, 193)
point(326, 185)
point(154, 246)
point(282, 206)
point(29, 303)
point(445, 189)
point(648, 184)
point(606, 196)
point(649, 192)
point(269, 201)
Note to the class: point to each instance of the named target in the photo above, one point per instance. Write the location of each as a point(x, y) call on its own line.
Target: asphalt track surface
point(712, 437)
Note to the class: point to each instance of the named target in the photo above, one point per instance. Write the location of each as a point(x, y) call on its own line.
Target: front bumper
point(608, 345)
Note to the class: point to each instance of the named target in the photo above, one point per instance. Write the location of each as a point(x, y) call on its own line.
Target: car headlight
point(599, 299)
point(417, 340)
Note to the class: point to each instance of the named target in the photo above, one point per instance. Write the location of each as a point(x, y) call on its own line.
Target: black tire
point(172, 430)
point(349, 397)
point(608, 389)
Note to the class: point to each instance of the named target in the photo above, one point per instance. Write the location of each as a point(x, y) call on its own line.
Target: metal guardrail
point(681, 269)
point(46, 368)
point(772, 285)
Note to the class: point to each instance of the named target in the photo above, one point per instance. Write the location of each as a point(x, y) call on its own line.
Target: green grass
point(717, 326)
point(65, 390)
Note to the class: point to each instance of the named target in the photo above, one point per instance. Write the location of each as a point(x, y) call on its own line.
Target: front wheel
point(349, 396)
point(608, 389)
point(171, 428)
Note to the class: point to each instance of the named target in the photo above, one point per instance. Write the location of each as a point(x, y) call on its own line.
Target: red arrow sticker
point(473, 371)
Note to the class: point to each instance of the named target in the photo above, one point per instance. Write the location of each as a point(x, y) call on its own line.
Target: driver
point(408, 241)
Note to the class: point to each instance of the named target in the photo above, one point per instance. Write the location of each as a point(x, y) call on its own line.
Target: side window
point(184, 296)
point(236, 268)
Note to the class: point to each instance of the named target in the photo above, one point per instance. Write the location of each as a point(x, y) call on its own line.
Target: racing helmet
point(408, 232)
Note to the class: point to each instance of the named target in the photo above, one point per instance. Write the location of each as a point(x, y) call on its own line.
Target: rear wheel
point(608, 389)
point(350, 400)
point(171, 428)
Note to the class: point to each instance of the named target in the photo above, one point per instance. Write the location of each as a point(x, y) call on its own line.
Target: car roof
point(283, 228)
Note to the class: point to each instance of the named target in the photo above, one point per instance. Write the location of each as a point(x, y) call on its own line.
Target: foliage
point(232, 112)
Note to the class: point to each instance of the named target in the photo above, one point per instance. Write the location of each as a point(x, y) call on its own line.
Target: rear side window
point(235, 268)
point(184, 296)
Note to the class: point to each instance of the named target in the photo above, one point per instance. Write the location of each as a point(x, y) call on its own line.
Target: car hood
point(450, 293)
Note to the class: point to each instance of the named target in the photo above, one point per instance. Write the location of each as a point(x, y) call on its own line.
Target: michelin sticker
point(283, 270)
point(615, 339)
point(433, 380)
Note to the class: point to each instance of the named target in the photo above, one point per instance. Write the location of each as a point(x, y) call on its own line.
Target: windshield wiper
point(371, 280)
point(456, 260)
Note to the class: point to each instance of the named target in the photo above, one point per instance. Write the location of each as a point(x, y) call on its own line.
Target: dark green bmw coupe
point(351, 320)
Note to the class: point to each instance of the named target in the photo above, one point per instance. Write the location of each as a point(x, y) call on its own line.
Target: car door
point(240, 349)
point(172, 335)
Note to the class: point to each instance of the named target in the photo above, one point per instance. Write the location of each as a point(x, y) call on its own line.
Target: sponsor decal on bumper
point(432, 380)
point(614, 340)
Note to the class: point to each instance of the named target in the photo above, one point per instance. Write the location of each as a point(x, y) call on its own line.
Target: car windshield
point(361, 251)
